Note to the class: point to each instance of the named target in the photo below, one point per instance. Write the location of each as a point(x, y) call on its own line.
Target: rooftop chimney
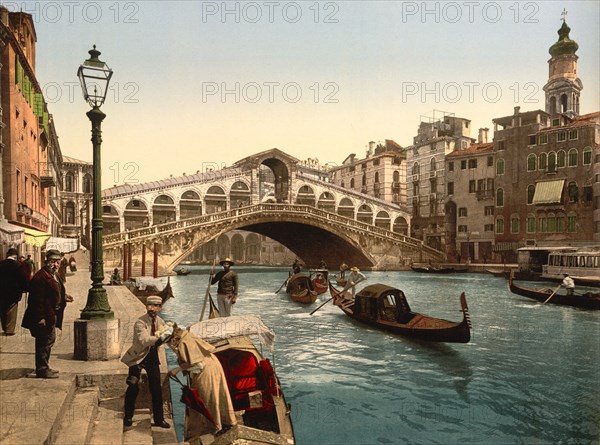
point(483, 136)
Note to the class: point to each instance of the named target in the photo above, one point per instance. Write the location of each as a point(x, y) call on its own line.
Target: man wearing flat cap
point(45, 311)
point(13, 283)
point(227, 289)
point(149, 332)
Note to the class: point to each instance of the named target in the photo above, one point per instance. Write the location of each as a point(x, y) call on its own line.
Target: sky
point(201, 85)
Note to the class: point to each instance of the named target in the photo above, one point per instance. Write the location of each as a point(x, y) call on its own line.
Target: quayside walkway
point(85, 404)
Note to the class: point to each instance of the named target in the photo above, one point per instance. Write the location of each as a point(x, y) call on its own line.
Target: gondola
point(430, 269)
point(300, 288)
point(498, 272)
point(183, 271)
point(262, 412)
point(584, 300)
point(320, 280)
point(386, 308)
point(143, 289)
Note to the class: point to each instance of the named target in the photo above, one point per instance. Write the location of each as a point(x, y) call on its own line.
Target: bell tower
point(563, 87)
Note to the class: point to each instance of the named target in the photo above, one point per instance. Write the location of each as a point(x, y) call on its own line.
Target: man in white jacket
point(143, 354)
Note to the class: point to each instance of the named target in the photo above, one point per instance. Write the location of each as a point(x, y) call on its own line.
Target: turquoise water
point(529, 375)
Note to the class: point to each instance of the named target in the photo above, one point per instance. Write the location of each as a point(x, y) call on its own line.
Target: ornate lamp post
point(94, 76)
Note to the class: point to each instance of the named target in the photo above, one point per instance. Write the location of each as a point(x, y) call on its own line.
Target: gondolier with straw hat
point(227, 289)
point(354, 278)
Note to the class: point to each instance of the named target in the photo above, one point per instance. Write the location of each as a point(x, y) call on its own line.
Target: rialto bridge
point(269, 193)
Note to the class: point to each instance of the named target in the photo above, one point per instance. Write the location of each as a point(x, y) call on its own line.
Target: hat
point(52, 254)
point(12, 251)
point(154, 300)
point(355, 269)
point(226, 260)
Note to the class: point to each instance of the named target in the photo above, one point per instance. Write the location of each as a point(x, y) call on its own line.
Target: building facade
point(437, 136)
point(76, 199)
point(30, 153)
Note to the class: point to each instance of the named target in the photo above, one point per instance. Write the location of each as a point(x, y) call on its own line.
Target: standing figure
point(343, 268)
point(45, 310)
point(296, 266)
point(568, 284)
point(31, 266)
point(143, 354)
point(354, 278)
point(62, 268)
point(322, 264)
point(72, 264)
point(13, 282)
point(227, 289)
point(196, 359)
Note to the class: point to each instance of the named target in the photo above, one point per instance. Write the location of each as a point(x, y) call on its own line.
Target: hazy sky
point(204, 84)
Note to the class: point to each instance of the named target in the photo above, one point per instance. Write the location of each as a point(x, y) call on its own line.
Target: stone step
point(161, 436)
point(75, 422)
point(108, 424)
point(140, 433)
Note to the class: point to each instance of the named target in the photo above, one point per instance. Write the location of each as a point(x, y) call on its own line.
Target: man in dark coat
point(44, 313)
point(13, 283)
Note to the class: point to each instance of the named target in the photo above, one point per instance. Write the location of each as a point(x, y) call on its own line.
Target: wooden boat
point(386, 308)
point(320, 280)
point(584, 300)
point(430, 269)
point(340, 281)
point(498, 272)
point(583, 265)
point(143, 288)
point(261, 409)
point(300, 288)
point(183, 271)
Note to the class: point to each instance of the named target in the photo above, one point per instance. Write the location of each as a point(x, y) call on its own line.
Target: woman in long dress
point(205, 373)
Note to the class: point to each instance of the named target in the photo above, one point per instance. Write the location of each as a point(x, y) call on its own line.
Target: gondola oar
point(207, 294)
point(552, 294)
point(284, 283)
point(321, 306)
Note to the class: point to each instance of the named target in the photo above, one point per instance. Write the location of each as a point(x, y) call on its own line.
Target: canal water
point(530, 374)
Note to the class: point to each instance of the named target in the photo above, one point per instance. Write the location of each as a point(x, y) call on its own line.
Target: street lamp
point(94, 76)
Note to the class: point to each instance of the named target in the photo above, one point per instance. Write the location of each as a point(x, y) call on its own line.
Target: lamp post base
point(96, 339)
point(97, 307)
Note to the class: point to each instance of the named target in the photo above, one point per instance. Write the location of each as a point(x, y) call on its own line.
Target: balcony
point(484, 194)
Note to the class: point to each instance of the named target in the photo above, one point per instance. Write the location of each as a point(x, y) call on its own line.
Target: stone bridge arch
point(312, 234)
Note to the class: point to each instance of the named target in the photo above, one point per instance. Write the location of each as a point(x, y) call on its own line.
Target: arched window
point(432, 165)
point(573, 191)
point(87, 183)
point(551, 161)
point(415, 168)
point(396, 176)
point(352, 183)
point(587, 156)
point(70, 213)
point(500, 225)
point(364, 180)
point(531, 162)
point(543, 161)
point(500, 167)
point(376, 177)
point(573, 157)
point(561, 159)
point(530, 193)
point(500, 198)
point(69, 183)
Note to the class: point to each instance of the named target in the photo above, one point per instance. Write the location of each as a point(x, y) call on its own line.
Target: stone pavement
point(85, 404)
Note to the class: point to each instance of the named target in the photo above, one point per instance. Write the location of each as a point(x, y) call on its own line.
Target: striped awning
point(10, 234)
point(64, 245)
point(548, 192)
point(36, 238)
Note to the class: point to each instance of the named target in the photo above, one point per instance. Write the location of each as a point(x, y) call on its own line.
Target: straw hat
point(227, 260)
point(355, 269)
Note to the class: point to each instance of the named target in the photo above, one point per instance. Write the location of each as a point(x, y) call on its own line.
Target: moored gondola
point(584, 300)
point(143, 289)
point(386, 308)
point(300, 288)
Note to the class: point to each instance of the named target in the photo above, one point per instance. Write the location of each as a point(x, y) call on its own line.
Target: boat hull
point(300, 289)
point(413, 325)
point(587, 300)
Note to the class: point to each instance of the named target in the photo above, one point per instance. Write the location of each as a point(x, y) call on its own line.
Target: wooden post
point(143, 260)
point(125, 272)
point(129, 260)
point(155, 264)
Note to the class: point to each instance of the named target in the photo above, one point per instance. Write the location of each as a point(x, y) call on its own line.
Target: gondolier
point(227, 289)
point(568, 284)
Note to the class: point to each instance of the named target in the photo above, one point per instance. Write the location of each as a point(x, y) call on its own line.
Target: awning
point(65, 245)
point(10, 234)
point(36, 238)
point(548, 192)
point(505, 246)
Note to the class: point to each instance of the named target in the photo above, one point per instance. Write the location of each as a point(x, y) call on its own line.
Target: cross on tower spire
point(564, 14)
